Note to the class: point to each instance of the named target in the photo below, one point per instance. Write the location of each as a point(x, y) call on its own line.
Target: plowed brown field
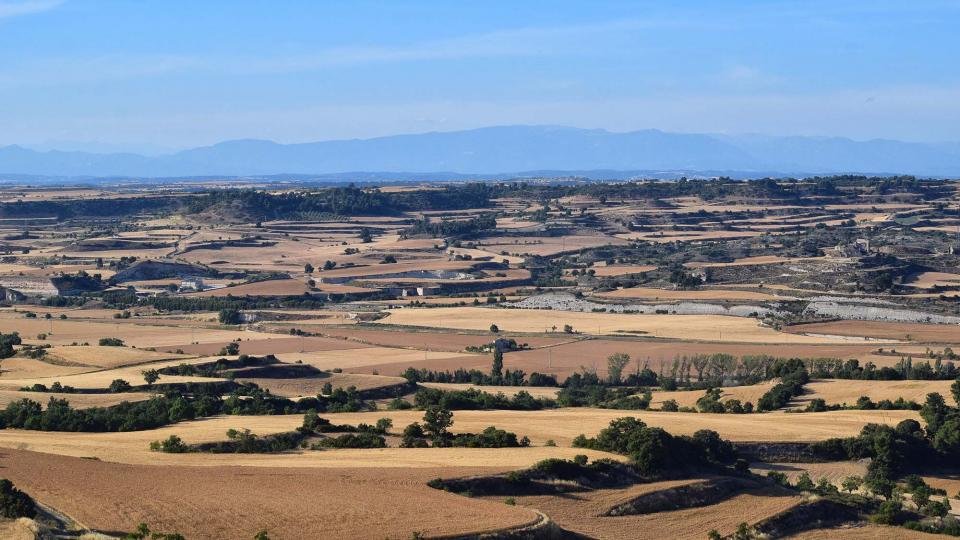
point(236, 502)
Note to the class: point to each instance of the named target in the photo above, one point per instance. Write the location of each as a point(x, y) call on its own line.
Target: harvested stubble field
point(924, 333)
point(360, 358)
point(102, 379)
point(689, 327)
point(835, 471)
point(132, 333)
point(580, 512)
point(839, 391)
point(264, 343)
point(25, 368)
point(106, 357)
point(432, 340)
point(215, 502)
point(77, 401)
point(562, 425)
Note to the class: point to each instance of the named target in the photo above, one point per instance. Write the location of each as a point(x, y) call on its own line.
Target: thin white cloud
point(30, 7)
point(519, 42)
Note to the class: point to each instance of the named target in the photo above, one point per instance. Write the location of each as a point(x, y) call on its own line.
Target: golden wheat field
point(690, 327)
point(562, 425)
point(836, 391)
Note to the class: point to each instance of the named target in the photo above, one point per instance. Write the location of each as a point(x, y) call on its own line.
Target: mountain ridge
point(500, 150)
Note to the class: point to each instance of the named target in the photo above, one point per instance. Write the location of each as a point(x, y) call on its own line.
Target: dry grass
point(689, 327)
point(234, 502)
point(18, 529)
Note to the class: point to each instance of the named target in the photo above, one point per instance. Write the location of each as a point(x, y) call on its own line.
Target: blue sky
point(168, 74)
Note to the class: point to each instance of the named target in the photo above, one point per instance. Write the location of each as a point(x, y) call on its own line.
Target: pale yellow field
point(562, 425)
point(689, 327)
point(77, 401)
point(107, 357)
point(836, 391)
point(372, 356)
point(103, 378)
point(133, 447)
point(26, 368)
point(140, 335)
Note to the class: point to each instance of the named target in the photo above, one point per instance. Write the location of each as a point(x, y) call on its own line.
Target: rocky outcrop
point(153, 269)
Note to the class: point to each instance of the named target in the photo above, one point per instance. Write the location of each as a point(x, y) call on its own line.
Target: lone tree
point(496, 372)
point(308, 268)
point(436, 422)
point(494, 328)
point(7, 341)
point(615, 364)
point(151, 376)
point(852, 483)
point(230, 316)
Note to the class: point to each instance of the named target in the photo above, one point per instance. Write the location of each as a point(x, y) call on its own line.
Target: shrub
point(110, 342)
point(15, 503)
point(170, 445)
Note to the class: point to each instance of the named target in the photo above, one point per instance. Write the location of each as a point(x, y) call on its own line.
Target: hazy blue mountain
point(504, 150)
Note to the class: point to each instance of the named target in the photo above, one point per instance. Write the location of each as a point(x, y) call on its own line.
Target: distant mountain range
point(505, 151)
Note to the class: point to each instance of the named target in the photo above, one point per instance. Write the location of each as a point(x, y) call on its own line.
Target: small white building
point(192, 284)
